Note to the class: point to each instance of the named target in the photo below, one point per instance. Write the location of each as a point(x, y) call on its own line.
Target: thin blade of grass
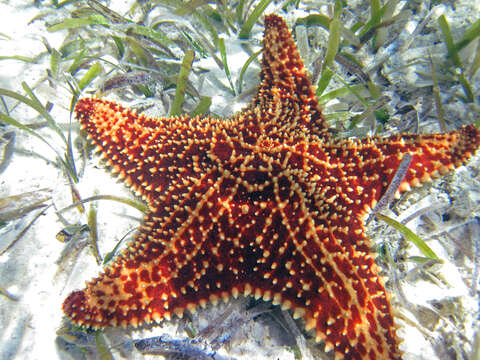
point(340, 92)
point(202, 106)
point(75, 96)
point(71, 47)
point(354, 91)
point(182, 83)
point(91, 74)
point(79, 22)
point(437, 98)
point(448, 38)
point(35, 104)
point(68, 160)
point(338, 117)
point(188, 7)
point(135, 204)
point(374, 90)
point(375, 8)
point(476, 62)
point(120, 47)
point(244, 69)
point(155, 35)
point(327, 75)
point(54, 61)
point(210, 28)
point(469, 35)
point(381, 31)
point(315, 20)
point(77, 62)
point(357, 26)
point(376, 16)
point(369, 111)
point(223, 54)
point(102, 347)
point(13, 122)
point(335, 31)
point(338, 8)
point(108, 13)
point(239, 11)
point(111, 254)
point(92, 224)
point(410, 236)
point(252, 19)
point(467, 88)
point(138, 51)
point(19, 58)
point(198, 48)
point(146, 91)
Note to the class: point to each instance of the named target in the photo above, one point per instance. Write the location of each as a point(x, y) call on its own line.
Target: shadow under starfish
point(262, 204)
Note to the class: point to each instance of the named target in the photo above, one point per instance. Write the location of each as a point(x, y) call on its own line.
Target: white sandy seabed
point(29, 270)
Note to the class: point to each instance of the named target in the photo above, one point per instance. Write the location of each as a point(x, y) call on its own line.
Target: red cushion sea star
point(262, 204)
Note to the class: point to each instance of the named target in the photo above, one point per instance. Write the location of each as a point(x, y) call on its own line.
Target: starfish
point(264, 204)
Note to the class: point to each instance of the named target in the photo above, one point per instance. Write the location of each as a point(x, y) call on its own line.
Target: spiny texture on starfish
point(261, 204)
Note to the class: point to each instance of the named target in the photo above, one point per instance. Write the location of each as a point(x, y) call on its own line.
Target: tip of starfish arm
point(84, 106)
point(273, 20)
point(74, 307)
point(435, 155)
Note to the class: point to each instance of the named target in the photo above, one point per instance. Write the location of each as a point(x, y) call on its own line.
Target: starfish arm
point(183, 261)
point(285, 88)
point(337, 283)
point(140, 149)
point(363, 169)
point(349, 308)
point(149, 280)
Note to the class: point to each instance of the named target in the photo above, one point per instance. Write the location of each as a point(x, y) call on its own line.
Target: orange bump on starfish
point(262, 204)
